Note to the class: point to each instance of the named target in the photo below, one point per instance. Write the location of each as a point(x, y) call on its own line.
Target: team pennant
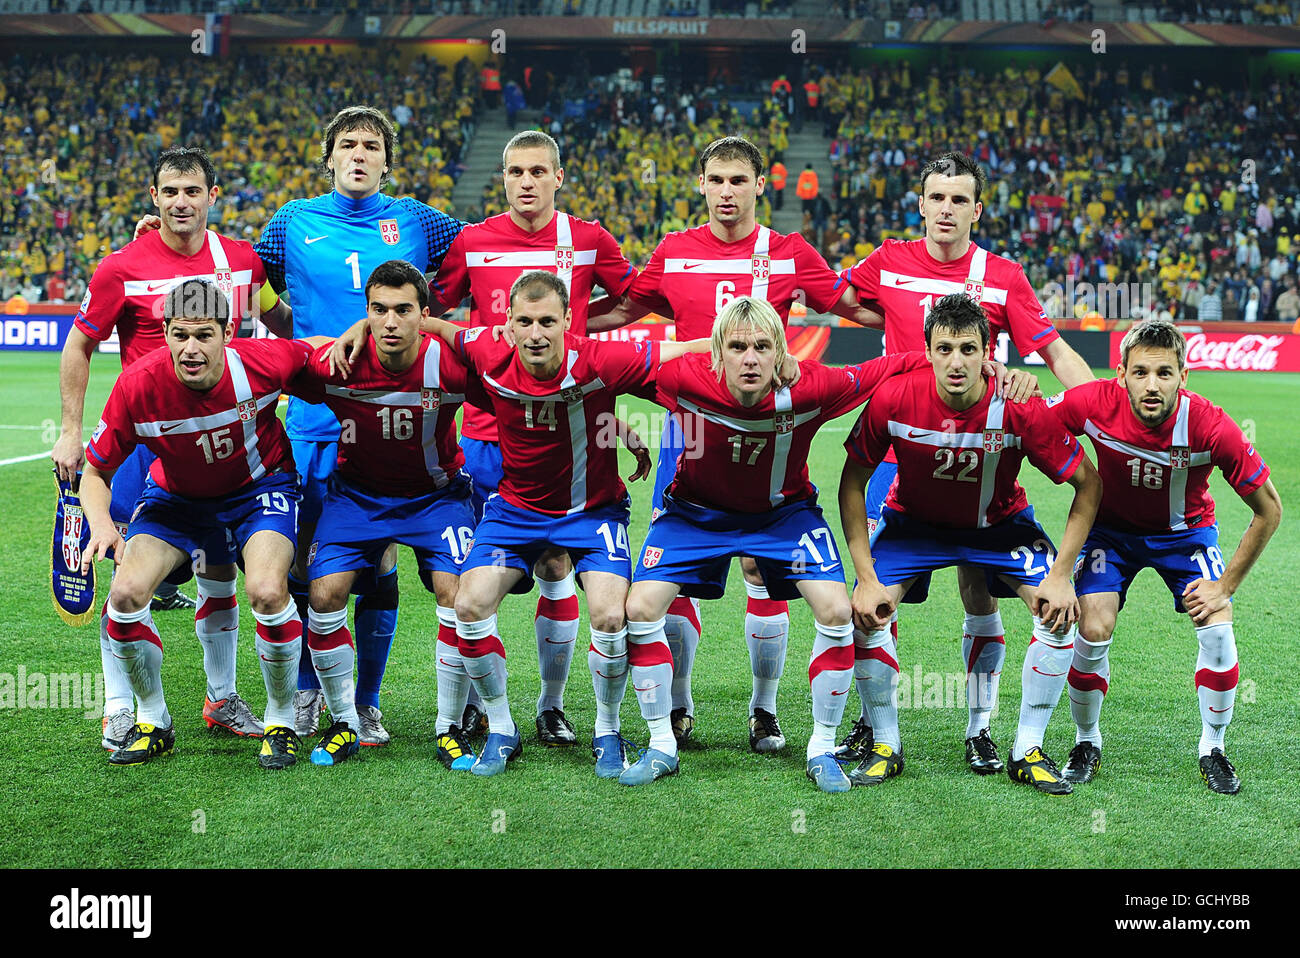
point(73, 590)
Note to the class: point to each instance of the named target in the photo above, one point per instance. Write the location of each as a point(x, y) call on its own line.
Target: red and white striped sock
point(333, 656)
point(1216, 682)
point(216, 623)
point(829, 671)
point(650, 665)
point(279, 647)
point(1088, 682)
point(485, 663)
point(453, 683)
point(607, 661)
point(878, 667)
point(767, 633)
point(682, 633)
point(556, 628)
point(983, 651)
point(138, 651)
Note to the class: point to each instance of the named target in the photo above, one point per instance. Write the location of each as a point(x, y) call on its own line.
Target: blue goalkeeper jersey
point(323, 249)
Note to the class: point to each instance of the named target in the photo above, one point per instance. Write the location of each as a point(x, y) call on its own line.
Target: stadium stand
point(80, 132)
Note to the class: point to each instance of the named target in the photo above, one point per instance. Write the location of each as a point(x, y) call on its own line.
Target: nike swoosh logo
point(1213, 709)
point(828, 568)
point(491, 259)
point(313, 239)
point(755, 635)
point(686, 266)
point(477, 677)
point(1048, 674)
point(844, 692)
point(153, 288)
point(446, 663)
point(916, 435)
point(358, 393)
point(569, 642)
point(636, 688)
point(169, 428)
point(330, 669)
point(230, 628)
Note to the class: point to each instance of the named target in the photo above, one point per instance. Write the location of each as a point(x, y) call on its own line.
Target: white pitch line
point(32, 428)
point(32, 458)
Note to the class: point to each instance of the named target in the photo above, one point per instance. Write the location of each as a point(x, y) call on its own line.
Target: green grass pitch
point(209, 805)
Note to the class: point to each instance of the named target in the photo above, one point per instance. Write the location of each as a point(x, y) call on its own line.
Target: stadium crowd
point(77, 127)
point(1143, 178)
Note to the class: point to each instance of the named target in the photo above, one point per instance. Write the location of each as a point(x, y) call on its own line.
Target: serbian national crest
point(430, 398)
point(1180, 457)
point(652, 556)
point(992, 440)
point(225, 280)
point(564, 259)
point(247, 410)
point(784, 422)
point(975, 290)
point(389, 231)
point(571, 395)
point(760, 266)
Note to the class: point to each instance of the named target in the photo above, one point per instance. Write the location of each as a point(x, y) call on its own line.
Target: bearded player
point(692, 275)
point(1156, 445)
point(206, 407)
point(902, 280)
point(126, 293)
point(956, 501)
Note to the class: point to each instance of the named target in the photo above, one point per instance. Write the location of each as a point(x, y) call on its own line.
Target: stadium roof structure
point(685, 29)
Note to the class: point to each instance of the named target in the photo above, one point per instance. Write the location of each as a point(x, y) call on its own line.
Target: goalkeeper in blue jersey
point(321, 250)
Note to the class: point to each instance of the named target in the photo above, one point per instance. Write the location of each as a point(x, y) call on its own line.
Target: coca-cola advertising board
point(1235, 352)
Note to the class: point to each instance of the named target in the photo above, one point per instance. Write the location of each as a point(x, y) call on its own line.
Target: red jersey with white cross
point(399, 429)
point(754, 459)
point(208, 443)
point(559, 448)
point(486, 258)
point(127, 289)
point(1157, 480)
point(694, 275)
point(958, 469)
point(904, 281)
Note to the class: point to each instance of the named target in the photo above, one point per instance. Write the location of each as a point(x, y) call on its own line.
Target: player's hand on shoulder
point(348, 347)
point(68, 454)
point(789, 373)
point(503, 332)
point(1056, 604)
point(1013, 385)
point(872, 606)
point(1204, 597)
point(147, 224)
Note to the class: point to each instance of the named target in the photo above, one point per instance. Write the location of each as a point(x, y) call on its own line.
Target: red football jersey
point(958, 469)
point(486, 258)
point(1157, 480)
point(559, 452)
point(755, 459)
point(904, 280)
point(694, 275)
point(128, 287)
point(209, 443)
point(399, 430)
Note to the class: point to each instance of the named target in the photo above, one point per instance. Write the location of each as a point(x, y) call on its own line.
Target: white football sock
point(767, 633)
point(216, 623)
point(650, 668)
point(556, 628)
point(333, 656)
point(138, 649)
point(682, 633)
point(881, 692)
point(485, 664)
point(1042, 679)
point(117, 687)
point(1089, 680)
point(607, 661)
point(453, 683)
point(279, 647)
point(1216, 682)
point(983, 650)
